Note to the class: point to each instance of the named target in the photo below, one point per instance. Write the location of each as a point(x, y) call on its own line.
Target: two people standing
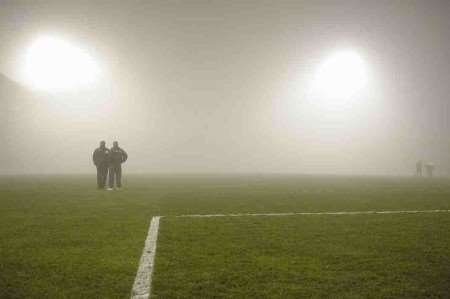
point(109, 160)
point(429, 167)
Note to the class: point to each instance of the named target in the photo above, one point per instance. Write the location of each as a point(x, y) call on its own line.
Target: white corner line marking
point(143, 281)
point(317, 213)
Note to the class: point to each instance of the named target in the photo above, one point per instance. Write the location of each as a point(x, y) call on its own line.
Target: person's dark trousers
point(115, 171)
point(102, 172)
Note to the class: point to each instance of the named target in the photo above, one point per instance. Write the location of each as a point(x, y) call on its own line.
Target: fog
point(225, 87)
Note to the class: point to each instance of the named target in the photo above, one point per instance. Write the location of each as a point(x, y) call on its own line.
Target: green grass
point(61, 238)
point(352, 256)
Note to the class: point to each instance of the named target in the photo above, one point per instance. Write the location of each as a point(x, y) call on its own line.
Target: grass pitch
point(314, 256)
point(61, 238)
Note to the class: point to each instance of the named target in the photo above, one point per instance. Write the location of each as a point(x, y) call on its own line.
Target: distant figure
point(117, 156)
point(419, 167)
point(430, 168)
point(101, 158)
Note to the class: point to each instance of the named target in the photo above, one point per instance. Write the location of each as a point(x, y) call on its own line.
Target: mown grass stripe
point(143, 281)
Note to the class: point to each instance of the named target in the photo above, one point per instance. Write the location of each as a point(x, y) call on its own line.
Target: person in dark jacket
point(101, 159)
point(117, 156)
point(419, 167)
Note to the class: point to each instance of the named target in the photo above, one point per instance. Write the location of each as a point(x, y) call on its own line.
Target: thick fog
point(225, 87)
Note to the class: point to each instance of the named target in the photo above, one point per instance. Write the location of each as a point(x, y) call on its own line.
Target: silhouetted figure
point(430, 168)
point(101, 158)
point(117, 156)
point(419, 168)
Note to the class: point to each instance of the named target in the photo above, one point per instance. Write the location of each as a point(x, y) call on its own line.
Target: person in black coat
point(117, 156)
point(100, 157)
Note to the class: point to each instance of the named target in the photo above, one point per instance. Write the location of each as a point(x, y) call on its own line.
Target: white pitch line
point(316, 213)
point(143, 281)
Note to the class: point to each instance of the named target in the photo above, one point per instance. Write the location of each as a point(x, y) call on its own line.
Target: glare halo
point(52, 63)
point(341, 75)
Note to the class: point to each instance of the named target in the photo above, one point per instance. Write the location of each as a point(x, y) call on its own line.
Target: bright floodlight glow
point(55, 64)
point(341, 75)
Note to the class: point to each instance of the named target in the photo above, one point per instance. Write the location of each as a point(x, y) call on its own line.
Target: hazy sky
point(224, 86)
